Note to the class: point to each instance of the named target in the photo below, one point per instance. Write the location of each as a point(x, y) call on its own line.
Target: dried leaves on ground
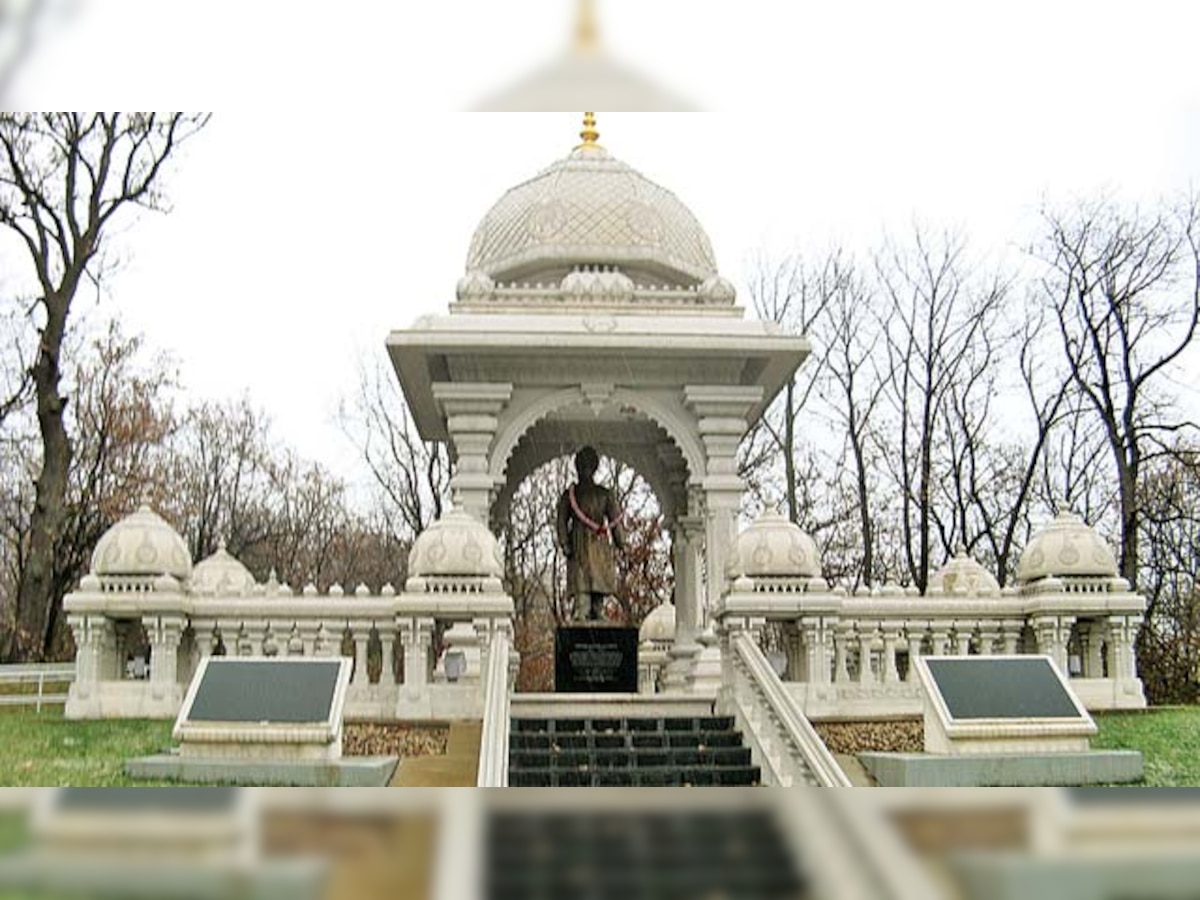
point(852, 738)
point(394, 739)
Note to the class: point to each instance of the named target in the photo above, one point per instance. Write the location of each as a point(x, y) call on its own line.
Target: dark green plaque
point(266, 690)
point(1007, 688)
point(147, 799)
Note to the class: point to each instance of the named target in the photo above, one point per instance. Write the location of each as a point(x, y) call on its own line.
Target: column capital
point(468, 398)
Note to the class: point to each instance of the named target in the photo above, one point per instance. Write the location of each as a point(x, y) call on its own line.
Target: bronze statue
point(589, 526)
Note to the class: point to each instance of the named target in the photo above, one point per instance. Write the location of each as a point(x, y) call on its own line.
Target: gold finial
point(587, 33)
point(589, 134)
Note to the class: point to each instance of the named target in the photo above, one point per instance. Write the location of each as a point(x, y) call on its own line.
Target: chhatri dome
point(142, 544)
point(591, 228)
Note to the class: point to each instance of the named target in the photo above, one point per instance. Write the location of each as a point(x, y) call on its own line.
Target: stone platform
point(1005, 770)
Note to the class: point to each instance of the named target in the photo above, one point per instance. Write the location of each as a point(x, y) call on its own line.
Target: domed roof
point(590, 208)
point(142, 544)
point(962, 573)
point(1068, 547)
point(659, 626)
point(775, 547)
point(222, 574)
point(456, 545)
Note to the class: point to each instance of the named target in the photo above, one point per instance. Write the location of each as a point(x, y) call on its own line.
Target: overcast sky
point(333, 198)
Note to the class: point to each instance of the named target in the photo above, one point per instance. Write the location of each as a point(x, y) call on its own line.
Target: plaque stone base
point(596, 659)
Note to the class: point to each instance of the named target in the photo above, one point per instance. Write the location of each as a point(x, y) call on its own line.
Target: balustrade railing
point(853, 655)
point(493, 746)
point(394, 639)
point(788, 749)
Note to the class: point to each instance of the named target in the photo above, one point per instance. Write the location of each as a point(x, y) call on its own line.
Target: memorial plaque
point(591, 659)
point(284, 691)
point(147, 799)
point(1012, 687)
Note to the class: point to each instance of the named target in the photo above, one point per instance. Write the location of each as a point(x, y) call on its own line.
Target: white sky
point(332, 198)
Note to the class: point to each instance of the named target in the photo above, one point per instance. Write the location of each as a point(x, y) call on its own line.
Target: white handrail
point(493, 745)
point(789, 724)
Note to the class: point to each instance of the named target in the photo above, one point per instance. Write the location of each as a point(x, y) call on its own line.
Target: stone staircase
point(624, 855)
point(676, 751)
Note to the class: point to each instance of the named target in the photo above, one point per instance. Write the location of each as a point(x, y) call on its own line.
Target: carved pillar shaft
point(1093, 652)
point(866, 640)
point(915, 635)
point(471, 418)
point(387, 643)
point(841, 645)
point(360, 636)
point(416, 638)
point(890, 672)
point(963, 632)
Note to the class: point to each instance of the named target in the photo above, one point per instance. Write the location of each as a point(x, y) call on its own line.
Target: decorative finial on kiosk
point(589, 134)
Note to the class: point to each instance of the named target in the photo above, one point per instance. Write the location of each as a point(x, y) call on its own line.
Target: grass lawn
point(45, 750)
point(1169, 738)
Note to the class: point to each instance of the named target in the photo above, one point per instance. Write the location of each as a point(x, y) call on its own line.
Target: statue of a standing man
point(589, 526)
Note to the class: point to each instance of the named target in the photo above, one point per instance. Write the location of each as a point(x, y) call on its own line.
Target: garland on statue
point(600, 530)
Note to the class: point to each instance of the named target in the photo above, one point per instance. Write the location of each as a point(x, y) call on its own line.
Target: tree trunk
point(36, 592)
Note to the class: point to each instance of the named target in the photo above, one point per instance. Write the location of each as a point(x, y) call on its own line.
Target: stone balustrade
point(391, 637)
point(850, 656)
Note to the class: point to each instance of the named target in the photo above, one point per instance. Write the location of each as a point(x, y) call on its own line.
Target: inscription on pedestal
point(595, 660)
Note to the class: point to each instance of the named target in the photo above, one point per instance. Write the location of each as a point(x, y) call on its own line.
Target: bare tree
point(64, 179)
point(792, 294)
point(119, 422)
point(221, 477)
point(850, 331)
point(1124, 287)
point(413, 475)
point(1169, 644)
point(936, 344)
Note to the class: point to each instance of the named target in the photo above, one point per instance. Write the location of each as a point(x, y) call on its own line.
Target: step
point(608, 725)
point(583, 706)
point(629, 752)
point(659, 776)
point(741, 855)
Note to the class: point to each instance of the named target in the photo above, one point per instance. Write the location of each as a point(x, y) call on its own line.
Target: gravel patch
point(394, 739)
point(852, 738)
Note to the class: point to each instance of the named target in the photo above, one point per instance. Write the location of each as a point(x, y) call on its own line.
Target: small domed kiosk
point(140, 575)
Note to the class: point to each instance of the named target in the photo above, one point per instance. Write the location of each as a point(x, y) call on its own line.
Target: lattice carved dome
point(142, 544)
point(591, 209)
point(1067, 547)
point(222, 575)
point(775, 547)
point(962, 573)
point(456, 546)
